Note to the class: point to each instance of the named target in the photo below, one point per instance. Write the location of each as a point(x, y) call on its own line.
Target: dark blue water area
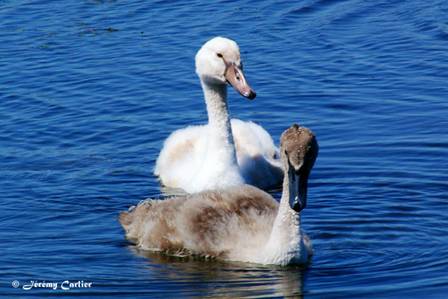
point(89, 90)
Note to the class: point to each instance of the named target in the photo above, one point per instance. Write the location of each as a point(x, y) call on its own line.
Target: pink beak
point(235, 76)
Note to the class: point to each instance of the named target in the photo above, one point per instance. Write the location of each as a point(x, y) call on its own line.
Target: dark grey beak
point(302, 188)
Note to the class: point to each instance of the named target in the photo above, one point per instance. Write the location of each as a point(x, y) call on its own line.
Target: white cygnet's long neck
point(218, 166)
point(285, 239)
point(218, 117)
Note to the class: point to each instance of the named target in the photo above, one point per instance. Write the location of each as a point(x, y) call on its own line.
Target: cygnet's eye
point(219, 55)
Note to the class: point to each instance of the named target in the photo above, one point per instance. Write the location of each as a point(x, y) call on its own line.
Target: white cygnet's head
point(219, 62)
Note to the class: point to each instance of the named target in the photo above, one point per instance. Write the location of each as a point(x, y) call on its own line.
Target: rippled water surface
point(90, 89)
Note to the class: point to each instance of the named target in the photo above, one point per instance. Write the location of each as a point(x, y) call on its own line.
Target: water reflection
point(224, 279)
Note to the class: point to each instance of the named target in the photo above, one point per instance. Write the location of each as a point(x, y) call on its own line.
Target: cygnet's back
point(230, 224)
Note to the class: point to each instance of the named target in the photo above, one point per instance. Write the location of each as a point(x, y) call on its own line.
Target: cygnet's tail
point(132, 219)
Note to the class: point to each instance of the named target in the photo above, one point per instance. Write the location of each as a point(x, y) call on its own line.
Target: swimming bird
point(225, 152)
point(238, 223)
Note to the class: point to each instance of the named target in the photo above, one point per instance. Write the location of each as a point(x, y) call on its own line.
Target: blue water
point(90, 89)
